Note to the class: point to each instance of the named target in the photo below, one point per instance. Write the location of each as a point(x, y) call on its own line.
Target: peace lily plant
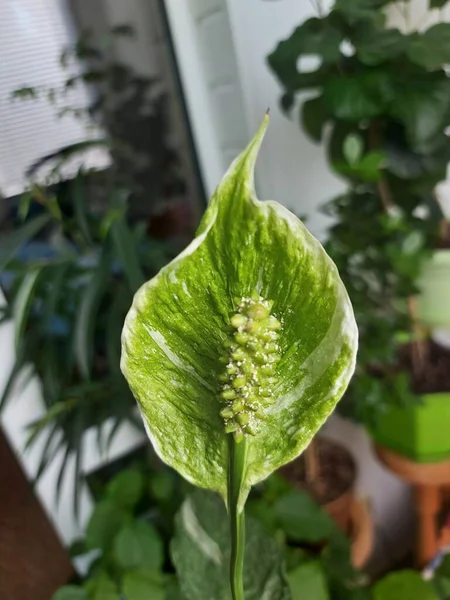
point(240, 348)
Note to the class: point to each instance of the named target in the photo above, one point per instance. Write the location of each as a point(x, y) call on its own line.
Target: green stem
point(236, 465)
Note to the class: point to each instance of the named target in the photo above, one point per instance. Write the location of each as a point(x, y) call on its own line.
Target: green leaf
point(308, 581)
point(349, 99)
point(375, 46)
point(127, 253)
point(407, 585)
point(173, 338)
point(424, 108)
point(302, 519)
point(438, 3)
point(201, 552)
point(88, 313)
point(70, 592)
point(138, 546)
point(105, 522)
point(126, 489)
point(102, 588)
point(79, 202)
point(313, 117)
point(353, 148)
point(431, 49)
point(314, 37)
point(143, 585)
point(23, 302)
point(355, 10)
point(369, 168)
point(12, 242)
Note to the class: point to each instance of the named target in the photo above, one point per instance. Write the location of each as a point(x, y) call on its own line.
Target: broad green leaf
point(138, 546)
point(105, 522)
point(438, 3)
point(423, 108)
point(355, 10)
point(201, 552)
point(407, 585)
point(431, 49)
point(70, 592)
point(143, 585)
point(302, 519)
point(179, 351)
point(23, 302)
point(313, 117)
point(12, 242)
point(348, 98)
point(102, 588)
point(126, 489)
point(308, 581)
point(375, 46)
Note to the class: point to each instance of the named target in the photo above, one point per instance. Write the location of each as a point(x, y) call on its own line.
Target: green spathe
point(173, 338)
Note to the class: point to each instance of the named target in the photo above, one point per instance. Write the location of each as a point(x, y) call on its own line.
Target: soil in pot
point(332, 486)
point(434, 373)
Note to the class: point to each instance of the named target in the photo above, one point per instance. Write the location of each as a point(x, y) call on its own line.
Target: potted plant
point(367, 102)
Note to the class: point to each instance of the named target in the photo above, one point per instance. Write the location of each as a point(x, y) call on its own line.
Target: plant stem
point(236, 466)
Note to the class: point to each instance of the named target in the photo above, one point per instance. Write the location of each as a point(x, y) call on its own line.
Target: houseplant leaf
point(308, 581)
point(138, 545)
point(143, 585)
point(174, 338)
point(407, 585)
point(201, 551)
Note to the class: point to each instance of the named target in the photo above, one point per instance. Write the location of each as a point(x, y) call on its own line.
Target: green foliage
point(69, 304)
point(407, 585)
point(386, 102)
point(308, 581)
point(301, 519)
point(129, 550)
point(201, 553)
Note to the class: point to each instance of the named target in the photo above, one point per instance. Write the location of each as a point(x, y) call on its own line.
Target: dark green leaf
point(424, 108)
point(12, 242)
point(375, 46)
point(138, 546)
point(301, 519)
point(105, 522)
point(79, 202)
point(201, 554)
point(127, 253)
point(87, 315)
point(102, 588)
point(308, 581)
point(356, 10)
point(369, 168)
point(144, 584)
point(162, 485)
point(313, 117)
point(126, 489)
point(23, 301)
point(348, 98)
point(19, 364)
point(70, 592)
point(407, 585)
point(287, 102)
point(438, 3)
point(314, 37)
point(78, 548)
point(431, 49)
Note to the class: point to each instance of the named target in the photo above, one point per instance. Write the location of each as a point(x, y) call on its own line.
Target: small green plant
point(240, 348)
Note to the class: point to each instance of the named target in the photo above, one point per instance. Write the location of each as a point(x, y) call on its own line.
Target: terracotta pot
point(327, 451)
point(340, 509)
point(362, 533)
